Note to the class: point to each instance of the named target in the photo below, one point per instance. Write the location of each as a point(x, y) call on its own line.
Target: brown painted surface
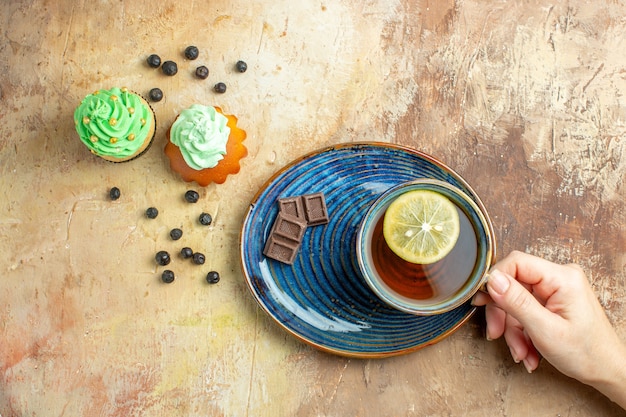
point(526, 100)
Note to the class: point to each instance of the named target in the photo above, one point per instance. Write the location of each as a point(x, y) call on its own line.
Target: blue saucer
point(322, 299)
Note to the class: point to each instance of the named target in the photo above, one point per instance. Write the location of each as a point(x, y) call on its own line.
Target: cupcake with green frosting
point(205, 145)
point(117, 124)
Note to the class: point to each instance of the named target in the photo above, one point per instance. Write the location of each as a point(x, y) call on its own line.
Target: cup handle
point(483, 283)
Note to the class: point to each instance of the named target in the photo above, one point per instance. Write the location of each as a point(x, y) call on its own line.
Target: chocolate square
point(292, 206)
point(281, 249)
point(289, 227)
point(315, 209)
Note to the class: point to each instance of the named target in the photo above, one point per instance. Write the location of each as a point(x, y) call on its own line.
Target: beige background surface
point(526, 100)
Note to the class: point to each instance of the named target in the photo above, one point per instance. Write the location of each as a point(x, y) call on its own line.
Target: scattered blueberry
point(176, 234)
point(114, 193)
point(191, 52)
point(213, 277)
point(192, 196)
point(162, 257)
point(154, 61)
point(186, 253)
point(220, 88)
point(241, 66)
point(156, 94)
point(202, 72)
point(152, 213)
point(167, 276)
point(198, 258)
point(205, 219)
point(169, 68)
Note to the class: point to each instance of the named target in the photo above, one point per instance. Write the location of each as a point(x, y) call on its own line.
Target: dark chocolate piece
point(289, 227)
point(281, 249)
point(292, 206)
point(315, 209)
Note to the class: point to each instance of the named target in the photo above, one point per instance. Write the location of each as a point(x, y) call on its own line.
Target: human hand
point(550, 310)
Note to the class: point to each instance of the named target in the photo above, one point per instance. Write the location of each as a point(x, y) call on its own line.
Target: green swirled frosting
point(113, 122)
point(200, 132)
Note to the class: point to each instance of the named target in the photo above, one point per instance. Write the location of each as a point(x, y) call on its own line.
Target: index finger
point(543, 276)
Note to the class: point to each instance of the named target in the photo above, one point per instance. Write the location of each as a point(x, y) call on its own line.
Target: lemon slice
point(421, 226)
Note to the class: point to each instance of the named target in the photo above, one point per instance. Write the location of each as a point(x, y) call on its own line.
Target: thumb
point(516, 300)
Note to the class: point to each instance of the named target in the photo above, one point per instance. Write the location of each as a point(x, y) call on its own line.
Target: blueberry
point(205, 219)
point(241, 66)
point(162, 257)
point(156, 94)
point(192, 196)
point(186, 253)
point(176, 234)
point(169, 68)
point(220, 88)
point(167, 276)
point(152, 213)
point(213, 277)
point(114, 193)
point(154, 61)
point(191, 52)
point(198, 258)
point(202, 72)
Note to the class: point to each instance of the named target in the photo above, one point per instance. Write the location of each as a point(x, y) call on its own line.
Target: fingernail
point(514, 356)
point(488, 338)
point(527, 366)
point(498, 282)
